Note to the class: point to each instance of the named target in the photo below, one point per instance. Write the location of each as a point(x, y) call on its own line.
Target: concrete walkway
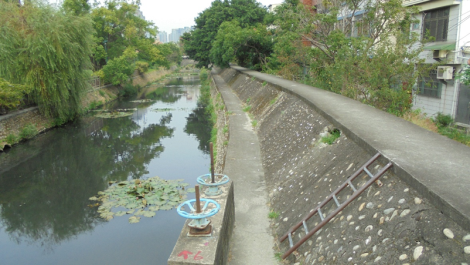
point(252, 242)
point(435, 165)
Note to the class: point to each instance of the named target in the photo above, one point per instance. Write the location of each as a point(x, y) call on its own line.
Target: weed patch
point(247, 108)
point(331, 137)
point(28, 132)
point(273, 215)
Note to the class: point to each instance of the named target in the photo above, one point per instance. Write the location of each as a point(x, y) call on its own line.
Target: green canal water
point(46, 183)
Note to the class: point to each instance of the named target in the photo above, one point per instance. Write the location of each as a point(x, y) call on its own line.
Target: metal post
point(212, 163)
point(198, 199)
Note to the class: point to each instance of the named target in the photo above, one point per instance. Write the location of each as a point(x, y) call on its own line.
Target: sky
point(171, 14)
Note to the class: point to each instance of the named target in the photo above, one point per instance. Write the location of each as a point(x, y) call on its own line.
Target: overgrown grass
point(442, 124)
point(265, 83)
point(421, 120)
point(278, 256)
point(331, 137)
point(225, 129)
point(206, 101)
point(254, 123)
point(12, 139)
point(445, 126)
point(102, 93)
point(28, 131)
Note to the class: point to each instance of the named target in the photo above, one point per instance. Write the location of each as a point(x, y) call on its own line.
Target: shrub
point(141, 67)
point(203, 74)
point(442, 120)
point(129, 90)
point(28, 132)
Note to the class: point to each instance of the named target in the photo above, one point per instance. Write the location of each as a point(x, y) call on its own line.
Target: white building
point(448, 22)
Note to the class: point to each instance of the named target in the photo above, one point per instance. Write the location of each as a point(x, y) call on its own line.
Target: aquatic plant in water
point(113, 115)
point(140, 198)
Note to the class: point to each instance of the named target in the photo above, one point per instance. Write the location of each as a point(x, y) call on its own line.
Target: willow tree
point(48, 50)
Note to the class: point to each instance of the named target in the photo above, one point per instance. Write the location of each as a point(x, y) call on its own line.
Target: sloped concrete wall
point(394, 224)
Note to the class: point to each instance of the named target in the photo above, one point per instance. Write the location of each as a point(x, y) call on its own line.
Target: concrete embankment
point(421, 214)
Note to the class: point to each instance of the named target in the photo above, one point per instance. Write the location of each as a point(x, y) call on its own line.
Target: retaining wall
point(406, 220)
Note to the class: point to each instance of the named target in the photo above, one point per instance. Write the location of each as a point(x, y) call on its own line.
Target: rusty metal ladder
point(341, 206)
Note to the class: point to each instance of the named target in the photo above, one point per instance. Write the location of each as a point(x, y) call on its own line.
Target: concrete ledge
point(213, 249)
point(434, 165)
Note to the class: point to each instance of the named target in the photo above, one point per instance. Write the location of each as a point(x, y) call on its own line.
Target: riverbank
point(25, 124)
point(415, 217)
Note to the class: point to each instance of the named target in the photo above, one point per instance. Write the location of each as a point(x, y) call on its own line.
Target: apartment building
point(447, 21)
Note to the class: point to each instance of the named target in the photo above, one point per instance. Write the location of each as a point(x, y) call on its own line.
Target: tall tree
point(49, 51)
point(77, 7)
point(118, 27)
point(249, 46)
point(363, 49)
point(199, 44)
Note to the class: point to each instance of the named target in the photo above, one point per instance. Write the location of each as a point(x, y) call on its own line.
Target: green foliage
point(203, 74)
point(225, 129)
point(273, 215)
point(278, 256)
point(11, 94)
point(198, 43)
point(442, 120)
point(248, 100)
point(455, 134)
point(119, 70)
point(140, 198)
point(12, 139)
point(247, 108)
point(118, 28)
point(141, 67)
point(77, 7)
point(265, 83)
point(254, 123)
point(249, 46)
point(171, 53)
point(48, 50)
point(102, 93)
point(331, 137)
point(363, 60)
point(28, 131)
point(129, 90)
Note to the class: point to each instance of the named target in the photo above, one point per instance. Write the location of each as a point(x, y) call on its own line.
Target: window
point(436, 23)
point(430, 85)
point(361, 26)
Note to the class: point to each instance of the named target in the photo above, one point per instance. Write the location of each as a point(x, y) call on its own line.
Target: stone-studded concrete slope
point(410, 219)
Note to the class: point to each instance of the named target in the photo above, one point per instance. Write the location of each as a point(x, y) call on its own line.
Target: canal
point(46, 216)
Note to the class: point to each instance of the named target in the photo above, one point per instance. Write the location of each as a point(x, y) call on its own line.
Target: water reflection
point(45, 183)
point(200, 125)
point(44, 200)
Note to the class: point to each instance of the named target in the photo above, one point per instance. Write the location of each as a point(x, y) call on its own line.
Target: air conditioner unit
point(439, 54)
point(444, 72)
